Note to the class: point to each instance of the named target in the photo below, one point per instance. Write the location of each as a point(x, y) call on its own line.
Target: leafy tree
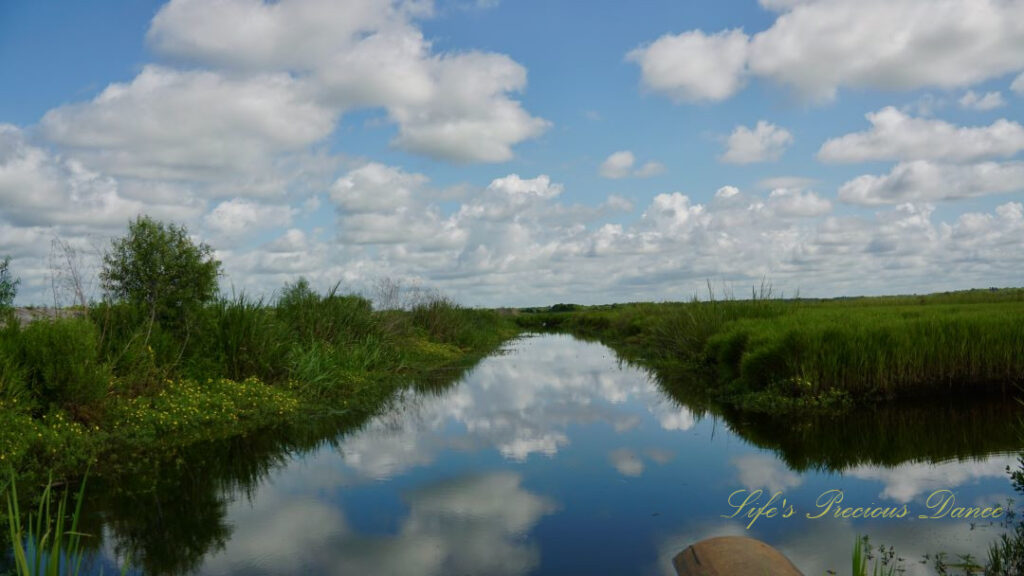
point(8, 285)
point(157, 267)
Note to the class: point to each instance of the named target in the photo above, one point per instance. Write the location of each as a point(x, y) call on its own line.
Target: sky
point(521, 152)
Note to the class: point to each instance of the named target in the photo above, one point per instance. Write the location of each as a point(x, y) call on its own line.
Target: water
point(557, 459)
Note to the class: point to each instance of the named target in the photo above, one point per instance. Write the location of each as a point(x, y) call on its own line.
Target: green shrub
point(62, 365)
point(8, 285)
point(13, 388)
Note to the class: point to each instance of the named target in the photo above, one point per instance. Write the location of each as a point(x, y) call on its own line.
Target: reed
point(47, 545)
point(768, 353)
point(75, 388)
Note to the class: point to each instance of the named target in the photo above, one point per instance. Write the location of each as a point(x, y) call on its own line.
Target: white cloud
point(905, 482)
point(619, 203)
point(566, 383)
point(694, 66)
point(468, 117)
point(763, 471)
point(363, 53)
point(922, 180)
point(1018, 84)
point(620, 165)
point(514, 186)
point(517, 243)
point(818, 46)
point(196, 125)
point(462, 525)
point(627, 462)
point(727, 192)
point(253, 35)
point(617, 165)
point(38, 188)
point(789, 202)
point(782, 5)
point(238, 216)
point(988, 101)
point(376, 187)
point(673, 215)
point(649, 169)
point(897, 136)
point(766, 142)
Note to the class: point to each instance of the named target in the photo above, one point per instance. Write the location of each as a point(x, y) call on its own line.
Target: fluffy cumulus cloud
point(798, 203)
point(895, 135)
point(694, 66)
point(622, 165)
point(194, 125)
point(376, 187)
point(363, 53)
point(817, 46)
point(922, 180)
point(766, 142)
point(230, 134)
point(238, 216)
point(518, 242)
point(63, 196)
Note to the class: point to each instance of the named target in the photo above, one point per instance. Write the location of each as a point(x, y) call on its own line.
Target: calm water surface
point(555, 458)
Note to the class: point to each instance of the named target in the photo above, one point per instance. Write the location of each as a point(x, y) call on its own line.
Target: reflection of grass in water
point(886, 435)
point(188, 489)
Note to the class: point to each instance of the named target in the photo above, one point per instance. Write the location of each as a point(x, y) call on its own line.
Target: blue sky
point(521, 152)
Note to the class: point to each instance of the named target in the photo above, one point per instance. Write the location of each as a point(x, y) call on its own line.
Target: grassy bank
point(770, 354)
point(105, 388)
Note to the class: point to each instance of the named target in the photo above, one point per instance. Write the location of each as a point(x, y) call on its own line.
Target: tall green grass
point(886, 351)
point(770, 353)
point(49, 543)
point(86, 382)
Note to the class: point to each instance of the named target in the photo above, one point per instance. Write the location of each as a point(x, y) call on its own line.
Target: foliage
point(8, 284)
point(48, 545)
point(1006, 555)
point(187, 411)
point(769, 354)
point(157, 267)
point(61, 365)
point(863, 556)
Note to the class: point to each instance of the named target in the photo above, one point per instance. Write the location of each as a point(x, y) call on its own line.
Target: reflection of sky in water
point(554, 459)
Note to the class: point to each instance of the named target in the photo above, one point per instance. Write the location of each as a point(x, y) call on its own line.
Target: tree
point(8, 285)
point(158, 268)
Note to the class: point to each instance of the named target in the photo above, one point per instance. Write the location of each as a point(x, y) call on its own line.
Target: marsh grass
point(72, 389)
point(866, 561)
point(49, 543)
point(768, 353)
point(886, 350)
